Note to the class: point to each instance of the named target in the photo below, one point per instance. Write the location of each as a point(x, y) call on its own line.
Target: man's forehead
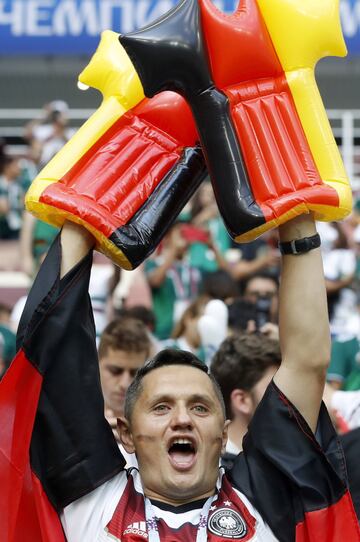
point(260, 283)
point(123, 358)
point(176, 378)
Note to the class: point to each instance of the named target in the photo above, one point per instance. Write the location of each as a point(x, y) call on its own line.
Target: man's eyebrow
point(160, 397)
point(201, 398)
point(194, 398)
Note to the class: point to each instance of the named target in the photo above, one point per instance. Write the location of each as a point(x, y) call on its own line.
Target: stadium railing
point(345, 124)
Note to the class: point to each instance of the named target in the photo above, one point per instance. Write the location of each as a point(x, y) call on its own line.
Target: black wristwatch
point(300, 246)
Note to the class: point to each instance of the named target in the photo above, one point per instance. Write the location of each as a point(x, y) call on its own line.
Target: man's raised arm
point(304, 325)
point(76, 242)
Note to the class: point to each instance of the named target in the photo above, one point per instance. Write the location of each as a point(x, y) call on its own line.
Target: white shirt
point(85, 520)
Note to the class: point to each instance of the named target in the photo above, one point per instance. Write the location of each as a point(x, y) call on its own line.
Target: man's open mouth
point(182, 453)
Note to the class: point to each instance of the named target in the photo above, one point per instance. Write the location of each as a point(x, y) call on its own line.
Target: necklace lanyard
point(152, 527)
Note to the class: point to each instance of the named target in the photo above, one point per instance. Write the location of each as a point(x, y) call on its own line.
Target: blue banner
point(53, 27)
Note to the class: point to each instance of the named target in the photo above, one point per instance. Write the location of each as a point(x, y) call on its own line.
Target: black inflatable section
point(139, 238)
point(171, 54)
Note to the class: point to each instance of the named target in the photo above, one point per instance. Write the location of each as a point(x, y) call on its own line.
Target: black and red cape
point(56, 446)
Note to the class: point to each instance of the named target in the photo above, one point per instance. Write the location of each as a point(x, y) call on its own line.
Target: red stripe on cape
point(26, 513)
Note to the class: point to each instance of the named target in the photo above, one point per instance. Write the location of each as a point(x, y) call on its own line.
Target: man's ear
point(125, 435)
point(241, 402)
point(225, 436)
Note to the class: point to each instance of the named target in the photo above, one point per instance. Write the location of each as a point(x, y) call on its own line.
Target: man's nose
point(125, 380)
point(181, 417)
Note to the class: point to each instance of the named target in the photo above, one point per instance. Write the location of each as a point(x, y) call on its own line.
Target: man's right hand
point(129, 170)
point(76, 242)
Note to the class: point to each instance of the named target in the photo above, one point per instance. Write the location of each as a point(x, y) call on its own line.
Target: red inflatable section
point(276, 152)
point(335, 523)
point(115, 177)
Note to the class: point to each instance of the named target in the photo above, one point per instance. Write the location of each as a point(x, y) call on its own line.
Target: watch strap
point(300, 246)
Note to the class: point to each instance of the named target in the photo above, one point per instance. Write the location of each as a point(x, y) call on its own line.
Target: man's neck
point(153, 496)
point(237, 430)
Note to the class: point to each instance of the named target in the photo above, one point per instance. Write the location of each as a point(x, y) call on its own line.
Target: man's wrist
point(300, 246)
point(76, 242)
point(298, 228)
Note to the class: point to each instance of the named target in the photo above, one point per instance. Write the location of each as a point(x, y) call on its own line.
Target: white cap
point(59, 105)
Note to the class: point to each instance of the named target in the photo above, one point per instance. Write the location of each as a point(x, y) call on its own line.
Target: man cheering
point(287, 485)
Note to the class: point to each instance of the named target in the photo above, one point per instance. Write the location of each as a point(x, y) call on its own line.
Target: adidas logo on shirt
point(137, 528)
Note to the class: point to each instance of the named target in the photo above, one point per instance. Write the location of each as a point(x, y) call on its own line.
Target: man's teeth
point(182, 441)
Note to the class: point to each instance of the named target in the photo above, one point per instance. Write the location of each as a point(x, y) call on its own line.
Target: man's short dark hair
point(139, 312)
point(126, 334)
point(242, 361)
point(167, 357)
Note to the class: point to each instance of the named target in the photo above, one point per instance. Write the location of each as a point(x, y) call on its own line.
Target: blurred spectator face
point(12, 169)
point(124, 347)
point(58, 120)
point(117, 371)
point(261, 289)
point(176, 242)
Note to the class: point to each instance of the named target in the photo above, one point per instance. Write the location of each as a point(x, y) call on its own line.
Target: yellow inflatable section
point(303, 32)
point(111, 72)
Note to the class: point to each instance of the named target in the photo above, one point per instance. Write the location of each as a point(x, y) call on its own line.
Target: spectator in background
point(339, 269)
point(262, 289)
point(35, 240)
point(47, 135)
point(11, 198)
point(139, 312)
point(186, 335)
point(243, 366)
point(261, 255)
point(147, 317)
point(174, 282)
point(245, 315)
point(344, 369)
point(205, 217)
point(124, 347)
